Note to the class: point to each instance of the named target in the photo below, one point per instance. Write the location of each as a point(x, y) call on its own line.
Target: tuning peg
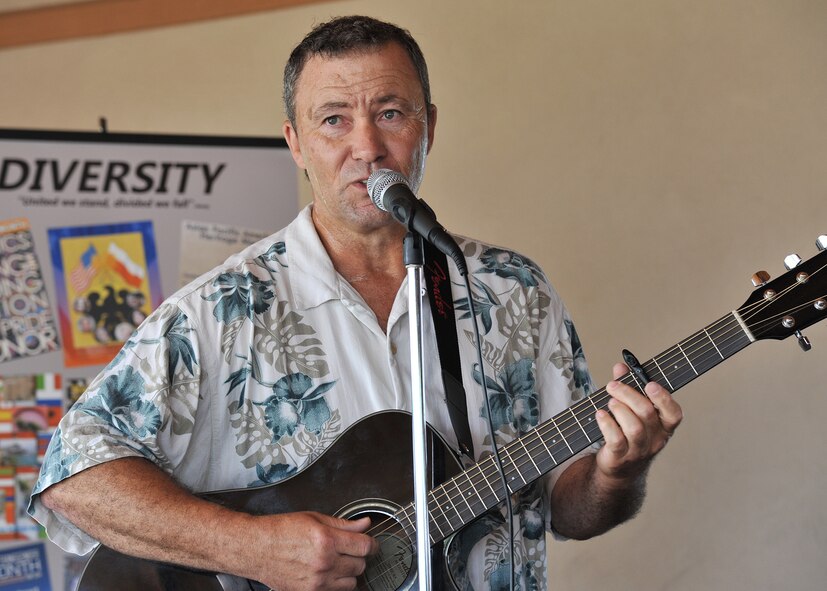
point(791, 261)
point(760, 278)
point(821, 242)
point(803, 341)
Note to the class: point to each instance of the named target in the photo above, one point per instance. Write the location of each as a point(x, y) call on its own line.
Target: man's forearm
point(133, 507)
point(154, 519)
point(585, 503)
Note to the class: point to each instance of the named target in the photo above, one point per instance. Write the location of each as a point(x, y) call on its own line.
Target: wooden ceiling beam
point(104, 17)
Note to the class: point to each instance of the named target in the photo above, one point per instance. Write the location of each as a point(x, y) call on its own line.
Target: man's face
point(355, 114)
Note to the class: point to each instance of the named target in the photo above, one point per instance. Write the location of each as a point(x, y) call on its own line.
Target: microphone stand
point(414, 259)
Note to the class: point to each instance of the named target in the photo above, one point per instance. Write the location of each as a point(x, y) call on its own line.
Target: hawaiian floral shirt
point(249, 373)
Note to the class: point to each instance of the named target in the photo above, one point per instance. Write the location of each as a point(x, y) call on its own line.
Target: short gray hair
point(344, 35)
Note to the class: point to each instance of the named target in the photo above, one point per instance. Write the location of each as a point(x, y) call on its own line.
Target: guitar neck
point(465, 497)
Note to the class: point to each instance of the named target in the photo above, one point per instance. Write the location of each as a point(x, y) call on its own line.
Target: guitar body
point(354, 477)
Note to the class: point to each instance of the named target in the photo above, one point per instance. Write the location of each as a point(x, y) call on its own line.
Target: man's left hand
point(636, 429)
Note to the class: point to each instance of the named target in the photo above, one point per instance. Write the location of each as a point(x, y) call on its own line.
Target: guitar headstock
point(790, 303)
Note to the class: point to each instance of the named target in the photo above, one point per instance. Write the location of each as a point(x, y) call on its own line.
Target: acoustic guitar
point(347, 479)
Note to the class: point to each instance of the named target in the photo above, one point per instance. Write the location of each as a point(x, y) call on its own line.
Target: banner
point(110, 224)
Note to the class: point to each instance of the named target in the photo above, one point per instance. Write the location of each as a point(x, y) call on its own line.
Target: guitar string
point(402, 529)
point(389, 564)
point(570, 429)
point(435, 495)
point(599, 398)
point(700, 337)
point(570, 423)
point(403, 534)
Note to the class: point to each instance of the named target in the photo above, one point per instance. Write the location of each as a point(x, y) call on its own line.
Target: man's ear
point(431, 125)
point(292, 139)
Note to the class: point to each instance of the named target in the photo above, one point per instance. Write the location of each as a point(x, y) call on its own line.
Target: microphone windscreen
point(380, 180)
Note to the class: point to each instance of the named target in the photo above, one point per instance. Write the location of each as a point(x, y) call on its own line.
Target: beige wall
point(650, 154)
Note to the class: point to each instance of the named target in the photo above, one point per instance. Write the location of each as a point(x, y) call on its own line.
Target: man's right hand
point(311, 551)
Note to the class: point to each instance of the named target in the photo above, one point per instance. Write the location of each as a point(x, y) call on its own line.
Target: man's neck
point(371, 262)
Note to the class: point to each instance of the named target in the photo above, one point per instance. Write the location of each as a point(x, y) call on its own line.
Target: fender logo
point(438, 279)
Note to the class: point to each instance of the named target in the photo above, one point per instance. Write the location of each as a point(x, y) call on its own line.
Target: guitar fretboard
point(468, 495)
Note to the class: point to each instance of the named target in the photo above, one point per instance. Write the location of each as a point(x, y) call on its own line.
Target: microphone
point(389, 191)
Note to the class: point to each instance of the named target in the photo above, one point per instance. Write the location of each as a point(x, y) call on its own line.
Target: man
point(245, 376)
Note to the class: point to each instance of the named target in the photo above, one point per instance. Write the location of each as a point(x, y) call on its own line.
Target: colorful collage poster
point(107, 282)
point(27, 326)
point(31, 407)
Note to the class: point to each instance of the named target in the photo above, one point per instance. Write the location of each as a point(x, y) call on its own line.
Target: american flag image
point(84, 272)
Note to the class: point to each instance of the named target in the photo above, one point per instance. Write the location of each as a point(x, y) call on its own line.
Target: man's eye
point(333, 120)
point(392, 114)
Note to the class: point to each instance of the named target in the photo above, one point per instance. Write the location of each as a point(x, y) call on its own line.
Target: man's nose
point(368, 142)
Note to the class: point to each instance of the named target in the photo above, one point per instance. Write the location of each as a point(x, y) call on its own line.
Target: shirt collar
point(313, 279)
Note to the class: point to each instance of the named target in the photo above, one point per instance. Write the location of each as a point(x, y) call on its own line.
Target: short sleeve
point(143, 404)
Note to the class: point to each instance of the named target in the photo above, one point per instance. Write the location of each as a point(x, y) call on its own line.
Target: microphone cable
point(494, 446)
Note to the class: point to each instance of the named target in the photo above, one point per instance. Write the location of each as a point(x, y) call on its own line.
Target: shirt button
point(393, 348)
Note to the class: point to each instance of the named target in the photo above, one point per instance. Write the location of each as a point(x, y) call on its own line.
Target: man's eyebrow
point(329, 106)
point(391, 98)
point(337, 105)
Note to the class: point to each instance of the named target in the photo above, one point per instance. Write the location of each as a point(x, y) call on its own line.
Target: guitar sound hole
point(389, 569)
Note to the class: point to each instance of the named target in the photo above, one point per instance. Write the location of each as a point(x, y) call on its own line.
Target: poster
point(67, 179)
point(31, 407)
point(24, 568)
point(75, 387)
point(107, 282)
point(205, 245)
point(27, 326)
